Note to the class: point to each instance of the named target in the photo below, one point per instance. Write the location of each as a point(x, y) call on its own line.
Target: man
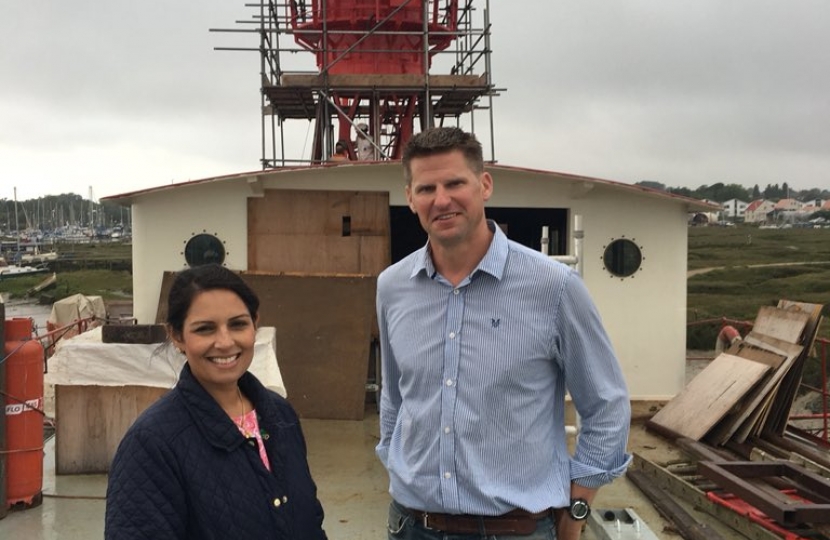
point(364, 148)
point(341, 152)
point(480, 339)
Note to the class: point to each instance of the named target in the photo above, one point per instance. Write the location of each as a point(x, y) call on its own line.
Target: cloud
point(127, 95)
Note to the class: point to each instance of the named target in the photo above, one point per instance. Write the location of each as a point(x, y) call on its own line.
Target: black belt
point(517, 521)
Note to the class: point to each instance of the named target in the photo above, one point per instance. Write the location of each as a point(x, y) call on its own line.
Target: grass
point(737, 291)
point(110, 284)
point(95, 251)
point(81, 269)
point(745, 245)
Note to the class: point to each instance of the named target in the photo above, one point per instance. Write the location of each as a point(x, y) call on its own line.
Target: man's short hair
point(442, 140)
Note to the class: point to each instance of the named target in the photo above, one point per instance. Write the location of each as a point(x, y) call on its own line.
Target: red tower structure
point(389, 64)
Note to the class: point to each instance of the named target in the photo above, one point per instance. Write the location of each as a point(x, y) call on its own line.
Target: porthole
point(622, 258)
point(204, 248)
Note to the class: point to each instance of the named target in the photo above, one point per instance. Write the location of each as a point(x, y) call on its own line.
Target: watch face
point(579, 509)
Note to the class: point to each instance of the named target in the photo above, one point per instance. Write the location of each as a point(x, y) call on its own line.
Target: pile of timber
point(732, 421)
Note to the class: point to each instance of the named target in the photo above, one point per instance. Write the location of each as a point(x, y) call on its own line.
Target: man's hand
point(566, 528)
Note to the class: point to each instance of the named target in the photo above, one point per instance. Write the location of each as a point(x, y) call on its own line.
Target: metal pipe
point(579, 234)
point(3, 472)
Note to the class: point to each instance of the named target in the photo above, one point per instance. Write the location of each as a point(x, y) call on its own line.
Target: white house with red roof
point(758, 211)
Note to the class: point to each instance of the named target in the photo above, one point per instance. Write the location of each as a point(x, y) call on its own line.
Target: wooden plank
point(322, 232)
point(782, 405)
point(813, 311)
point(382, 80)
point(753, 424)
point(781, 323)
point(733, 420)
point(745, 479)
point(709, 396)
point(307, 254)
point(92, 420)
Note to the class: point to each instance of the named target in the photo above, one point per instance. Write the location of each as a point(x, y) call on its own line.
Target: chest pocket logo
point(495, 322)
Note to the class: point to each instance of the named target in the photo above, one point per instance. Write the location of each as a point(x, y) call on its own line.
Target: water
point(40, 313)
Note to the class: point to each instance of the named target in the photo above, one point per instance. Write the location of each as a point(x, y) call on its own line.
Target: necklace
point(241, 401)
point(240, 423)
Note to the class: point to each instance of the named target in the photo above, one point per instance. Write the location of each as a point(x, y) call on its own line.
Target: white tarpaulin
point(84, 360)
point(78, 306)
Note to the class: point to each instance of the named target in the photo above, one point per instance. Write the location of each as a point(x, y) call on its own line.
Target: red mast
point(384, 63)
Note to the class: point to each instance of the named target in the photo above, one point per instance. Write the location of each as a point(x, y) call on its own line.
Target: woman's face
point(218, 338)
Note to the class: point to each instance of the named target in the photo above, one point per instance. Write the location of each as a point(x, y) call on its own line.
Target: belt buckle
point(425, 521)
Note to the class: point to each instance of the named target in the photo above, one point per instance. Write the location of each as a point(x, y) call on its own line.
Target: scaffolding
point(385, 69)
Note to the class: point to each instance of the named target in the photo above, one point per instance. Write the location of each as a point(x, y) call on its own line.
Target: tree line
point(721, 192)
point(70, 209)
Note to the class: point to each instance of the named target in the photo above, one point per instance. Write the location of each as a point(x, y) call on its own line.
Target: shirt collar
point(493, 262)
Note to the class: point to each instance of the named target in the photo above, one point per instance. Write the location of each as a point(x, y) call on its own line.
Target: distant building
point(712, 216)
point(758, 211)
point(734, 209)
point(808, 209)
point(786, 209)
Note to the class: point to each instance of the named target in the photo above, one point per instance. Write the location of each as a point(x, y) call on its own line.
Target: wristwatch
point(579, 509)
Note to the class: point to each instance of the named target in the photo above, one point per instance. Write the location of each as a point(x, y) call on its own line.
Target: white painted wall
point(164, 221)
point(645, 315)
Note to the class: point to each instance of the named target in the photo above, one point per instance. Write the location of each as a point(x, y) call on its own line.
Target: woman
point(219, 456)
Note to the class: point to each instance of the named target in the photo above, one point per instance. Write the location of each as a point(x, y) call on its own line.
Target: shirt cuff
point(593, 477)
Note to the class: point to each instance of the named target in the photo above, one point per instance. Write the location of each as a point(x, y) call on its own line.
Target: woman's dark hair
point(188, 283)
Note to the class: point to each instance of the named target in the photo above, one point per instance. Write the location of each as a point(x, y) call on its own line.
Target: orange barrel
point(24, 422)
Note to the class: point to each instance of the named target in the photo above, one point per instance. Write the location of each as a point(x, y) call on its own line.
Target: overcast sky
point(125, 95)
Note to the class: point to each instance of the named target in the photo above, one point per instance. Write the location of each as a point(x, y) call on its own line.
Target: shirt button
point(449, 382)
point(447, 475)
point(455, 291)
point(277, 502)
point(447, 429)
point(452, 335)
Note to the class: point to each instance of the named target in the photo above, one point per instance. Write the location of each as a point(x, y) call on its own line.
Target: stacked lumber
point(737, 409)
point(748, 390)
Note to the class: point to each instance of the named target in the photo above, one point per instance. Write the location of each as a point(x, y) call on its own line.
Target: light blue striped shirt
point(472, 411)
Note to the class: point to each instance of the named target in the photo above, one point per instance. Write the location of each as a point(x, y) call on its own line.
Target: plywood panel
point(92, 420)
point(324, 327)
point(296, 231)
point(374, 254)
point(779, 412)
point(756, 398)
point(370, 214)
point(709, 396)
point(792, 352)
point(308, 254)
point(781, 323)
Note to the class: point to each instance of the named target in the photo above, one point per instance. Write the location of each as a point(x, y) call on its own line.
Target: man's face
point(448, 197)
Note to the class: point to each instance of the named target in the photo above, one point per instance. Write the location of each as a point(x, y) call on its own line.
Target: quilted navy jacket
point(184, 471)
